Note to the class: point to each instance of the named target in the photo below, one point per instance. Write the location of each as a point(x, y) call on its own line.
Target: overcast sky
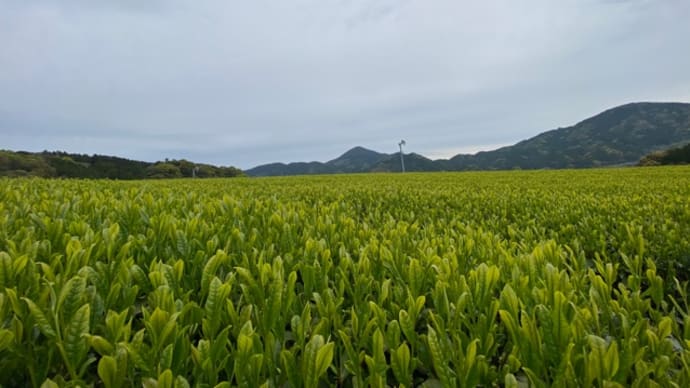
point(250, 82)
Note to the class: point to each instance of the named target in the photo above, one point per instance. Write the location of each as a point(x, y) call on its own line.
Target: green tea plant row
point(543, 278)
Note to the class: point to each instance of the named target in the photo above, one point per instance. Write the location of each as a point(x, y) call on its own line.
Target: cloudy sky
point(244, 83)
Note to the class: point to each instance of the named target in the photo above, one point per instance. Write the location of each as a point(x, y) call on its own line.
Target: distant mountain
point(358, 159)
point(413, 162)
point(64, 165)
point(299, 168)
point(618, 136)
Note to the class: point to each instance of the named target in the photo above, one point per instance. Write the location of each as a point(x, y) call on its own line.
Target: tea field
point(535, 278)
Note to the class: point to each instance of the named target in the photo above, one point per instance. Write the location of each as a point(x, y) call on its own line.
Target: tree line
point(57, 164)
point(680, 155)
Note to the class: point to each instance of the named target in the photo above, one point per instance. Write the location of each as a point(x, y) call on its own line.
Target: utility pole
point(402, 160)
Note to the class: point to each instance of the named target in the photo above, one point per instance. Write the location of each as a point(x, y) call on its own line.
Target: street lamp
point(402, 160)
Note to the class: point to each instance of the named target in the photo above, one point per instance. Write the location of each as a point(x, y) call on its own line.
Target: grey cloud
point(246, 83)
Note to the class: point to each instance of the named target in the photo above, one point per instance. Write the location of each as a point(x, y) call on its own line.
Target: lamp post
point(402, 160)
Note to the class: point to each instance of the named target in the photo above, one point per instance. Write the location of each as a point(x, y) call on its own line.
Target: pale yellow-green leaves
point(532, 278)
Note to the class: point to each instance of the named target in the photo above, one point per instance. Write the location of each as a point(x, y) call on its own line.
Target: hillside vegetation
point(680, 155)
point(64, 165)
point(574, 278)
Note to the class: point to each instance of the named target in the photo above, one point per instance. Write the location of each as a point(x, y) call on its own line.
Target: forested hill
point(618, 136)
point(64, 165)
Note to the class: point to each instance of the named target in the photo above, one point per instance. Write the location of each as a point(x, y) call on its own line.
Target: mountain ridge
point(620, 135)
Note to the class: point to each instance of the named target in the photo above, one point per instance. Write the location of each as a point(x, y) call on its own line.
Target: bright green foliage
point(542, 278)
